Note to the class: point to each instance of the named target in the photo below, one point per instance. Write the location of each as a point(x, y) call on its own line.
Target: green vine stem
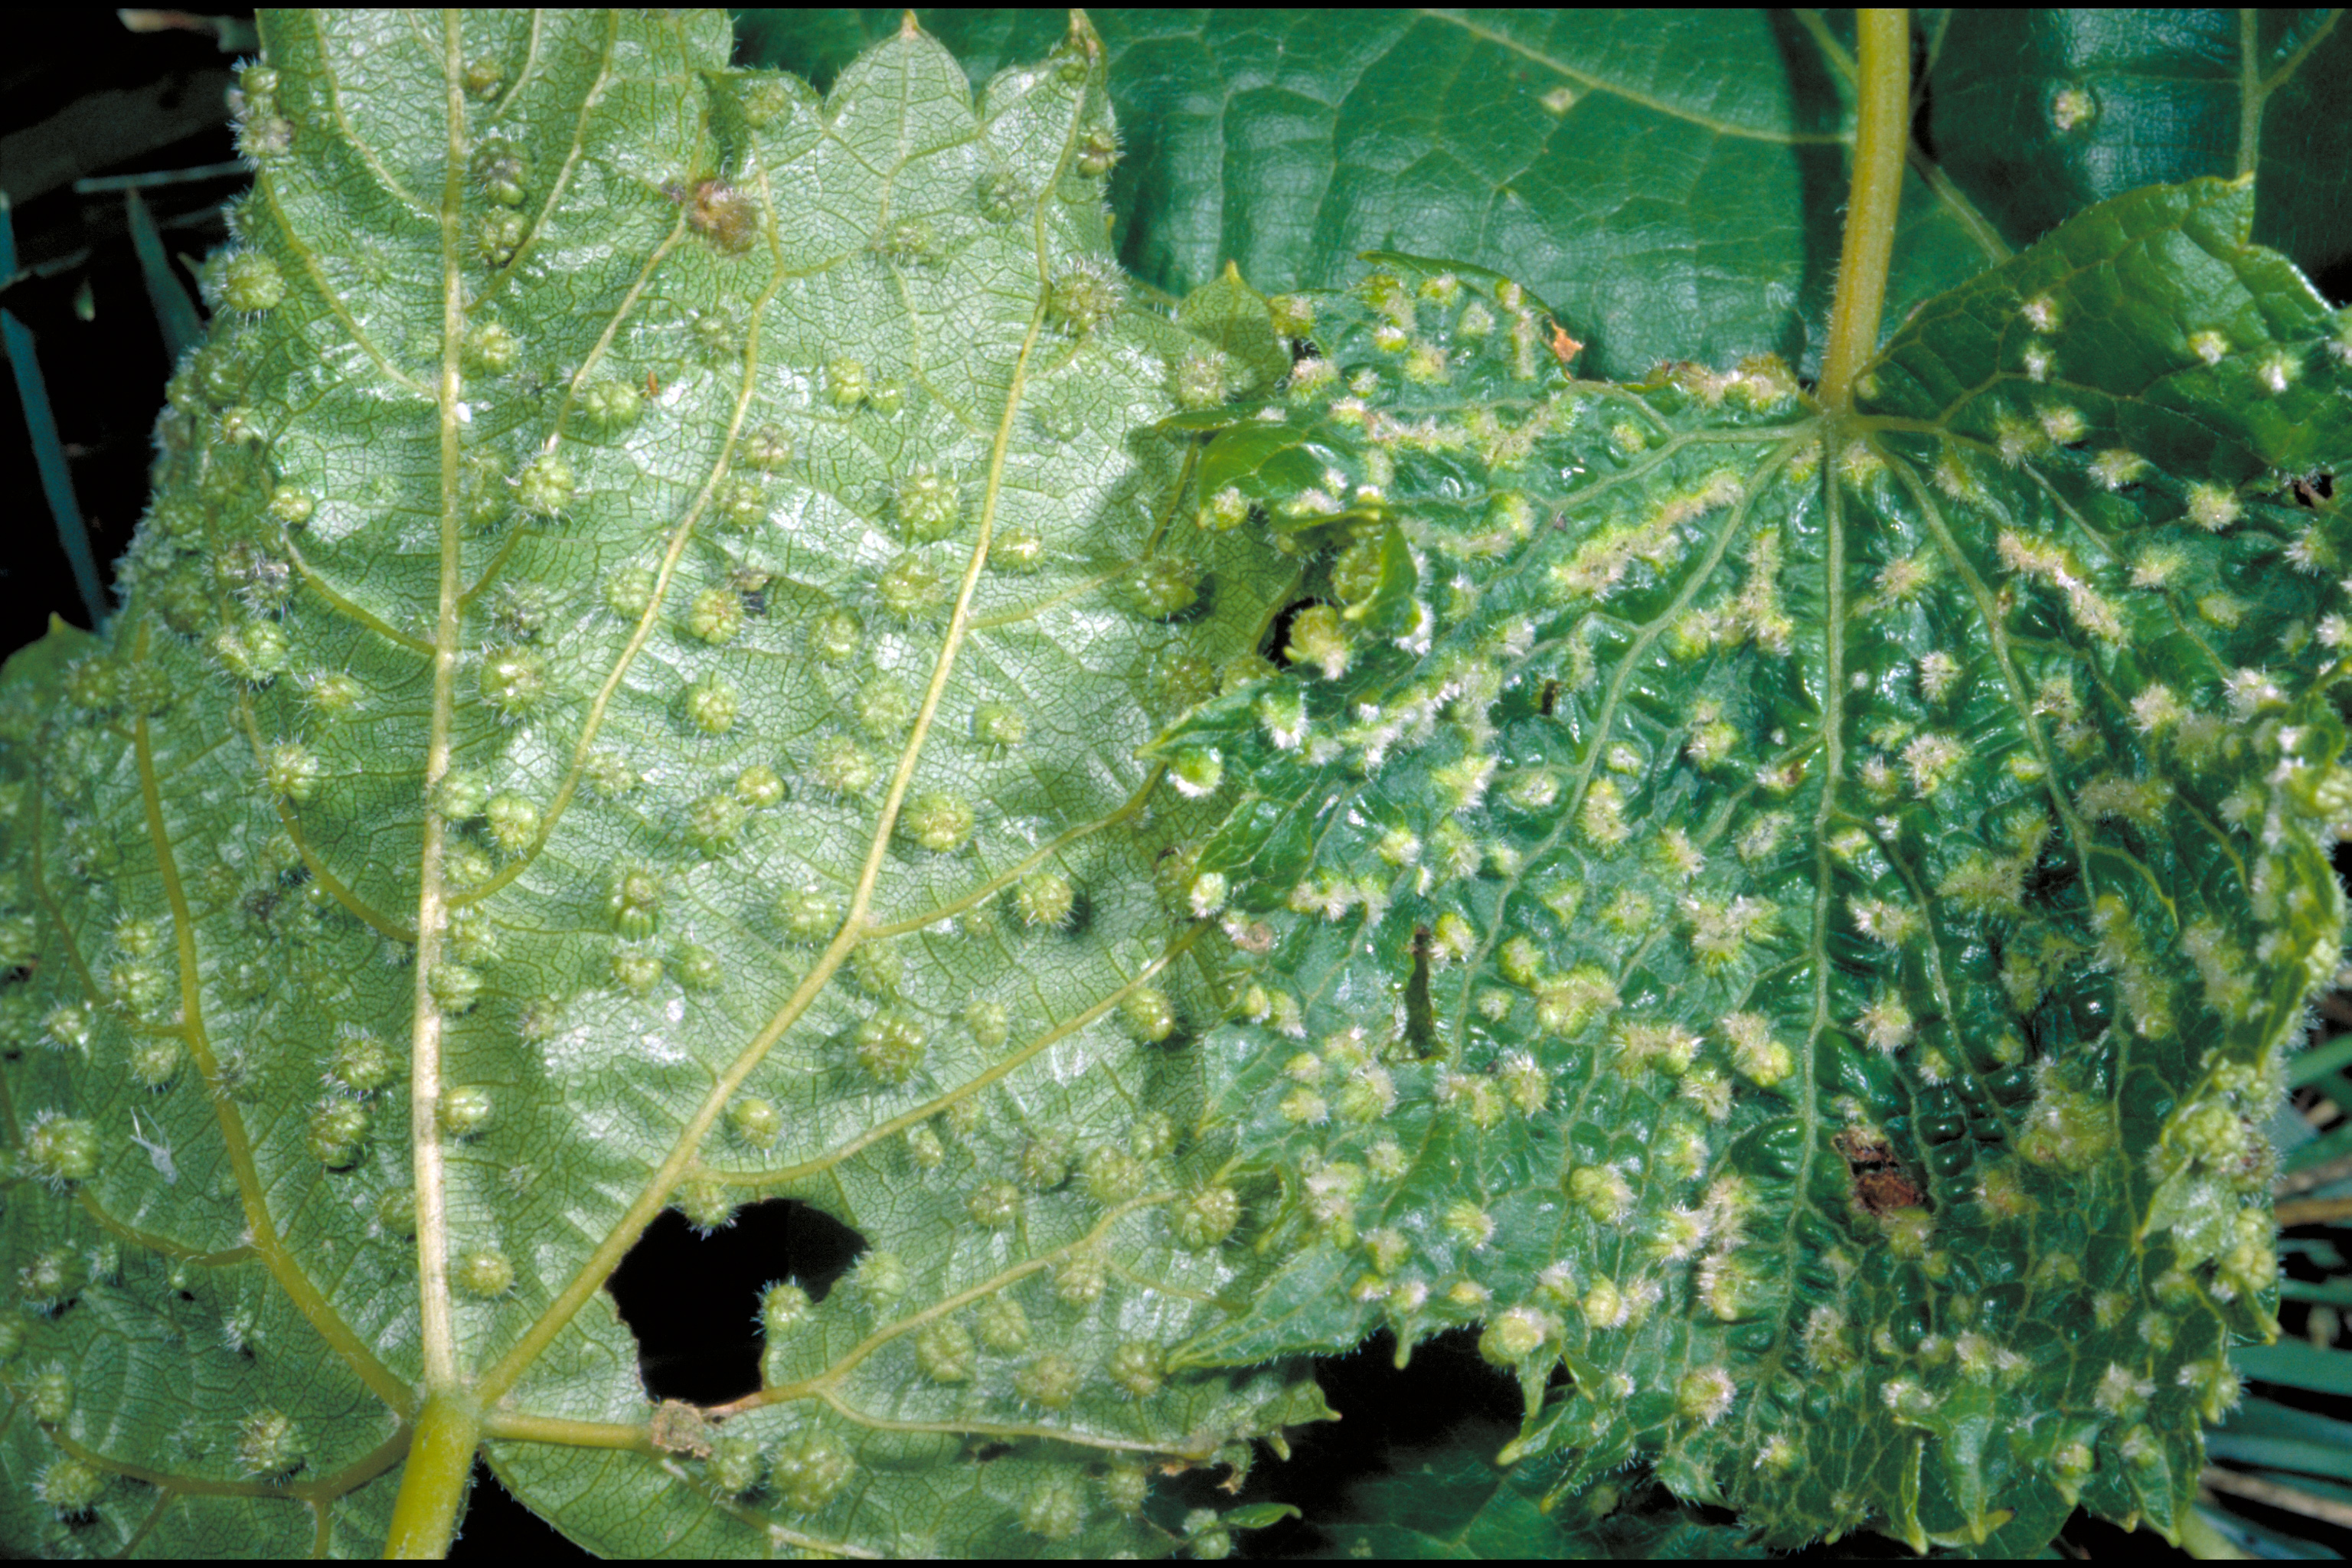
point(1881, 132)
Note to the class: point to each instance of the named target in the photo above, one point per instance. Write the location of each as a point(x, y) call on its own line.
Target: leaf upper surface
point(1799, 920)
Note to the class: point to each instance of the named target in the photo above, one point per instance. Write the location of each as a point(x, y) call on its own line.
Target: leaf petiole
point(1881, 133)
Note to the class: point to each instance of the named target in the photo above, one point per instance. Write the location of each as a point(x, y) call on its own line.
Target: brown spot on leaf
point(679, 1428)
point(1880, 1183)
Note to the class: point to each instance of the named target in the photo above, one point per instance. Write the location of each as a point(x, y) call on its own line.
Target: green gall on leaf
point(293, 771)
point(1001, 195)
point(808, 916)
point(611, 405)
point(1018, 549)
point(927, 504)
point(999, 724)
point(783, 1308)
point(1149, 1016)
point(634, 901)
point(945, 1351)
point(756, 1121)
point(1111, 1174)
point(1044, 899)
point(1163, 587)
point(498, 169)
point(292, 506)
point(489, 349)
point(395, 1212)
point(1084, 297)
point(759, 787)
point(544, 487)
point(254, 653)
point(1056, 1509)
point(1098, 150)
point(890, 1046)
point(911, 585)
point(810, 1469)
point(990, 1024)
point(836, 638)
point(50, 1395)
point(336, 1133)
point(706, 1203)
point(846, 383)
point(710, 706)
point(714, 822)
point(466, 1109)
point(1205, 1536)
point(70, 1487)
point(1049, 1382)
point(1004, 1327)
point(741, 503)
point(46, 1280)
point(937, 821)
point(880, 1278)
point(511, 821)
point(637, 970)
point(251, 283)
point(59, 1149)
point(736, 1464)
point(1204, 1218)
point(269, 1444)
point(1138, 1368)
point(885, 708)
point(361, 1063)
point(715, 616)
point(696, 968)
point(514, 682)
point(878, 969)
point(483, 1272)
point(994, 1205)
point(1196, 771)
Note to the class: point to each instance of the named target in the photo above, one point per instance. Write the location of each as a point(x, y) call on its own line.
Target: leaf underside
point(764, 473)
point(693, 618)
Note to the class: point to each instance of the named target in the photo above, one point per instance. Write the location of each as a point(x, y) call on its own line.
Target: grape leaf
point(2038, 114)
point(1669, 181)
point(628, 696)
point(1798, 919)
point(1453, 1501)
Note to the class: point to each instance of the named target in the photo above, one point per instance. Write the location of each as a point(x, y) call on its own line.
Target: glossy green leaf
point(2039, 113)
point(1799, 923)
point(1669, 181)
point(638, 659)
point(1455, 1502)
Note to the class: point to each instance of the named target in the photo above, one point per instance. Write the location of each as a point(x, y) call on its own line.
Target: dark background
point(94, 98)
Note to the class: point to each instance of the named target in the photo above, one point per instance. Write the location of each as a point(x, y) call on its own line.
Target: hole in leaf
point(1390, 1416)
point(1302, 350)
point(1279, 637)
point(1550, 701)
point(693, 1301)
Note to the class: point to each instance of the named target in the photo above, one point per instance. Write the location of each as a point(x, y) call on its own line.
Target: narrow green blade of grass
point(49, 451)
point(2297, 1366)
point(2320, 1061)
point(175, 313)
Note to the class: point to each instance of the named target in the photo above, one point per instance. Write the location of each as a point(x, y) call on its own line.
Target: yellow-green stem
point(433, 1484)
point(1882, 135)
